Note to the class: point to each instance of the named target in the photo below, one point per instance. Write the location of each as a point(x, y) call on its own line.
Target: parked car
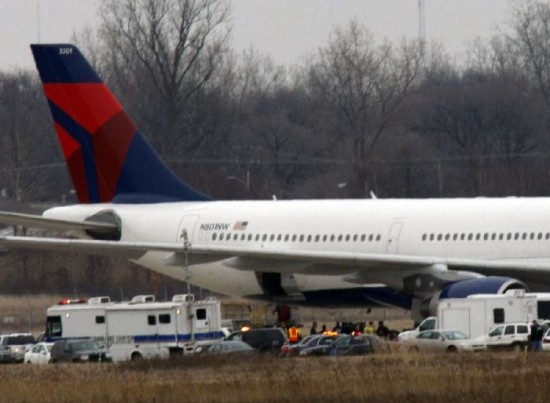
point(19, 343)
point(514, 336)
point(343, 344)
point(38, 354)
point(78, 350)
point(229, 347)
point(6, 355)
point(264, 339)
point(443, 340)
point(314, 340)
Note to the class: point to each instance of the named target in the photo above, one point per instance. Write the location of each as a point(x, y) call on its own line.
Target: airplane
point(406, 253)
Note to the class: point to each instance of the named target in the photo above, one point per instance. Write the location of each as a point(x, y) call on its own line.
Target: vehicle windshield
point(85, 345)
point(455, 335)
point(19, 340)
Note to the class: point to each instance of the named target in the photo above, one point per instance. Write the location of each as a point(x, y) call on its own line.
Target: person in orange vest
point(294, 334)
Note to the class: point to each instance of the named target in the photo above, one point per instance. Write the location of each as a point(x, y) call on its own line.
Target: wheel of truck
point(136, 357)
point(451, 349)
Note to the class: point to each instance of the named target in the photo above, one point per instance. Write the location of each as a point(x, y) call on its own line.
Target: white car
point(514, 336)
point(38, 354)
point(443, 341)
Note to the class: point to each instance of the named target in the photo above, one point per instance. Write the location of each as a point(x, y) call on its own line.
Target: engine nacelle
point(462, 289)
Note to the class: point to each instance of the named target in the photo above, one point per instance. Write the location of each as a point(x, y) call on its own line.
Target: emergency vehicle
point(141, 328)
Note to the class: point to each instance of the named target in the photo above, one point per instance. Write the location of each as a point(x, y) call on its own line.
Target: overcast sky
point(287, 30)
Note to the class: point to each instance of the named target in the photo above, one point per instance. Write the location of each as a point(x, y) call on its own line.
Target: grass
point(376, 378)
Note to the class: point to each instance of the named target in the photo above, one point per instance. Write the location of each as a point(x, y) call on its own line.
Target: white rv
point(477, 315)
point(141, 328)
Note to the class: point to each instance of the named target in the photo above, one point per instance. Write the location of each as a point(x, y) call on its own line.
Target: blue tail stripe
point(85, 139)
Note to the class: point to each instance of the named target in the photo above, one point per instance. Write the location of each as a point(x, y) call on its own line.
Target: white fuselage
point(510, 229)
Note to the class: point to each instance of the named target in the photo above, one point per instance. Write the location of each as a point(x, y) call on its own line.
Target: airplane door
point(187, 225)
point(393, 238)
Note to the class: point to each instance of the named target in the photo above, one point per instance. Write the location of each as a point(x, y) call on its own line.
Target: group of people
point(352, 328)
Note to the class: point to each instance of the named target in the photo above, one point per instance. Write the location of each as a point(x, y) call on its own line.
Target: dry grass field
point(392, 377)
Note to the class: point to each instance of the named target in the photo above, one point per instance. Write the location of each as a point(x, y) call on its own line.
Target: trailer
point(479, 314)
point(141, 328)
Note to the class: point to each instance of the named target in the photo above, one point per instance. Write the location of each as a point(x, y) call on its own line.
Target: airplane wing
point(355, 266)
point(37, 221)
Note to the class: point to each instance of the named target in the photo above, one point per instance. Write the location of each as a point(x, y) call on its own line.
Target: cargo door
point(456, 319)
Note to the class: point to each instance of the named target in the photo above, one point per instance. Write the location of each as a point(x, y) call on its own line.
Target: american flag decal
point(240, 225)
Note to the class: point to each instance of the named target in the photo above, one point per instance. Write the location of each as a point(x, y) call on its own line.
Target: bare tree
point(167, 51)
point(362, 84)
point(531, 23)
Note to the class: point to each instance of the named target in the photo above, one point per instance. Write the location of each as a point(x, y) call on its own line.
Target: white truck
point(479, 314)
point(141, 328)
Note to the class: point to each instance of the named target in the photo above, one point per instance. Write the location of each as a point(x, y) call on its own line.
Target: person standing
point(370, 329)
point(536, 336)
point(313, 329)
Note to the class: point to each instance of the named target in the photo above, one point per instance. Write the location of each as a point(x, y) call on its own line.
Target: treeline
point(360, 116)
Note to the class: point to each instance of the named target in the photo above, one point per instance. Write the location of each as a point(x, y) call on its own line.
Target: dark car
point(234, 347)
point(264, 340)
point(314, 340)
point(79, 351)
point(343, 344)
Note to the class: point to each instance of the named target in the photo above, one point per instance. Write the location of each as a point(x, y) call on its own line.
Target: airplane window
point(508, 236)
point(317, 237)
point(363, 238)
point(264, 237)
point(493, 236)
point(279, 237)
point(272, 237)
point(547, 235)
point(424, 236)
point(532, 236)
point(501, 236)
point(309, 238)
point(478, 236)
point(257, 237)
point(235, 237)
point(439, 236)
point(539, 237)
point(243, 237)
point(462, 236)
point(470, 236)
point(447, 237)
point(340, 238)
point(455, 236)
point(214, 236)
point(301, 238)
point(325, 238)
point(370, 237)
point(485, 236)
point(347, 238)
point(250, 237)
point(221, 236)
point(294, 238)
point(378, 237)
point(355, 238)
point(524, 236)
point(286, 237)
point(332, 238)
point(516, 236)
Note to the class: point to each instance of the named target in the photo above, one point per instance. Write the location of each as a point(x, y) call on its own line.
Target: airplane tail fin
point(108, 157)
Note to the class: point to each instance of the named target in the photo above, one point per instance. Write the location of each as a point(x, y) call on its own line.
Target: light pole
point(246, 182)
